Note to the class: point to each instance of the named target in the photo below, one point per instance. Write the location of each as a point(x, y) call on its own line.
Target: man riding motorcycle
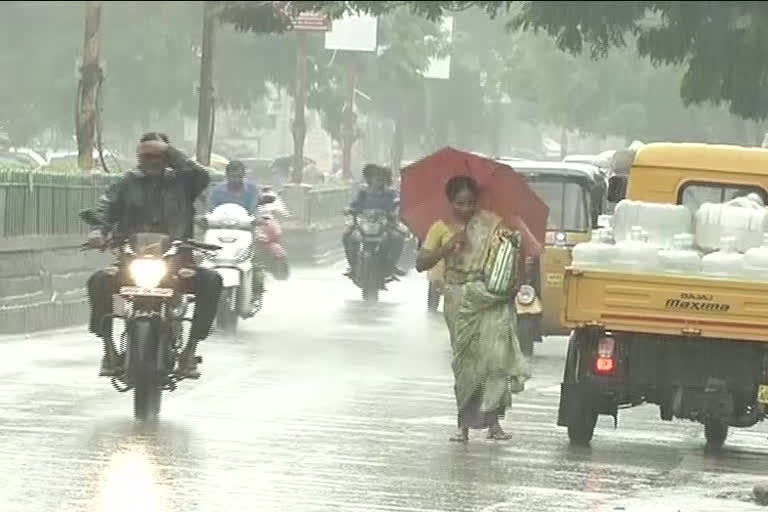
point(239, 191)
point(158, 197)
point(378, 195)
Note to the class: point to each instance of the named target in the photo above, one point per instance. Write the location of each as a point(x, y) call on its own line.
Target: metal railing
point(47, 204)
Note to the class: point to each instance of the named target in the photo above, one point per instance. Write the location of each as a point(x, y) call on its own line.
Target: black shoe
point(188, 365)
point(109, 368)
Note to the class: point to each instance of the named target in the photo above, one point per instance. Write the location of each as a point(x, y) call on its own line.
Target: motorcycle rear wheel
point(226, 319)
point(280, 269)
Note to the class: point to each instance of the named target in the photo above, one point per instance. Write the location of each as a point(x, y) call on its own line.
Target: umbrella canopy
point(502, 191)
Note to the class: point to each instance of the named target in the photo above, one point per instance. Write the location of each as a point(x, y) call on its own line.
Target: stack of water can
point(728, 240)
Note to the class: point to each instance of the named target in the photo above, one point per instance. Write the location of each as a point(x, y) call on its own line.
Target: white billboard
point(441, 68)
point(354, 33)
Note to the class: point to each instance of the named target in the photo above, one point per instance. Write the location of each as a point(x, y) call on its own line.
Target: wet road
point(325, 404)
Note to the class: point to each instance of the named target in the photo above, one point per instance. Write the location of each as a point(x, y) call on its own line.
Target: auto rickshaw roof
point(564, 169)
point(705, 157)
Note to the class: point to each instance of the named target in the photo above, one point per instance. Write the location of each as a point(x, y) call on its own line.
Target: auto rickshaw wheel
point(582, 421)
point(581, 412)
point(715, 432)
point(433, 296)
point(528, 332)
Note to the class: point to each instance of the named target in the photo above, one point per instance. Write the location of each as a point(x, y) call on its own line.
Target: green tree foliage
point(267, 17)
point(37, 59)
point(152, 65)
point(721, 44)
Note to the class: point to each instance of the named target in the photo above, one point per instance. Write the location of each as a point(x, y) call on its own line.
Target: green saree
point(488, 364)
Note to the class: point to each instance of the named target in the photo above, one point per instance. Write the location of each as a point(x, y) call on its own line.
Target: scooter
point(269, 237)
point(233, 228)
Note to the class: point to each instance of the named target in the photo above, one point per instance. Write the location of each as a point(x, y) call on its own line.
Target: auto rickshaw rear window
point(694, 194)
point(567, 202)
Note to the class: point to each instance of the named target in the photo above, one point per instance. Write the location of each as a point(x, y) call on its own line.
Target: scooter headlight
point(147, 273)
point(526, 295)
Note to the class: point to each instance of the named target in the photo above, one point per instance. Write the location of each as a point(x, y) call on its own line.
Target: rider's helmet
point(235, 167)
point(370, 170)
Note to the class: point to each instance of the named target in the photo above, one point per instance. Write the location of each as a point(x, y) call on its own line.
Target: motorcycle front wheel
point(147, 392)
point(368, 281)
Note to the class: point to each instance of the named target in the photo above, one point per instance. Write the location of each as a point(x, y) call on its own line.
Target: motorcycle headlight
point(148, 273)
point(526, 295)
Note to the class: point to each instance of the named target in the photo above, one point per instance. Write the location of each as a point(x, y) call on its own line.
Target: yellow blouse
point(439, 235)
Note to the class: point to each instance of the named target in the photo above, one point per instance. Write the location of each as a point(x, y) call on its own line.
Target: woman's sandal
point(498, 434)
point(461, 436)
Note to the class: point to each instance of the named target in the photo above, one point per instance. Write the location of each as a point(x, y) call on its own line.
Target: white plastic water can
point(597, 253)
point(755, 262)
point(726, 263)
point(636, 254)
point(682, 258)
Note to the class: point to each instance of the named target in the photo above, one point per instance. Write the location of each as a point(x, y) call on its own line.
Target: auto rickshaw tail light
point(605, 364)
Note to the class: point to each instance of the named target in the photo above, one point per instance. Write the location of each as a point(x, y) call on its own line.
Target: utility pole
point(299, 128)
point(205, 112)
point(349, 135)
point(87, 112)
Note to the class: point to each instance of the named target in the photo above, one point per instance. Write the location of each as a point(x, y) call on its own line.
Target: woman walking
point(488, 364)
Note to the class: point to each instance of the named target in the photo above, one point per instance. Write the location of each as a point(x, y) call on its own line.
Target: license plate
point(762, 394)
point(146, 292)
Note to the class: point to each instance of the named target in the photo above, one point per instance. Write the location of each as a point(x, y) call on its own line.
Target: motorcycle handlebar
point(201, 245)
point(193, 244)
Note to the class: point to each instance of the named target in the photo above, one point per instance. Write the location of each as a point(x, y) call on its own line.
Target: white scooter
point(232, 227)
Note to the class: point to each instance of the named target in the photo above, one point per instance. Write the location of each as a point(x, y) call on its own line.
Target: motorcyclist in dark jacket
point(157, 197)
point(378, 195)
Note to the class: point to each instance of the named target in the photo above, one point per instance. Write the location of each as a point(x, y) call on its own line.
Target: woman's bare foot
point(497, 433)
point(461, 436)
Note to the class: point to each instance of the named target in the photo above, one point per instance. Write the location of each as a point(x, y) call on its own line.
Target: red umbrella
point(502, 191)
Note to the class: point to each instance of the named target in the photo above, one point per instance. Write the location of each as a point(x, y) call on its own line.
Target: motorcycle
point(153, 309)
point(369, 233)
point(234, 228)
point(269, 235)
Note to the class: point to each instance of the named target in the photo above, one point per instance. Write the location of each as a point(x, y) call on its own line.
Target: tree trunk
point(205, 113)
point(299, 128)
point(397, 143)
point(90, 73)
point(348, 135)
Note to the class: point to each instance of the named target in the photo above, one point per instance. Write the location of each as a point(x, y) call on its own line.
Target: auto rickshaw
point(576, 196)
point(694, 344)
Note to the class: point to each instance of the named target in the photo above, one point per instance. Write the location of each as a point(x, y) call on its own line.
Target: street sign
point(311, 22)
point(353, 33)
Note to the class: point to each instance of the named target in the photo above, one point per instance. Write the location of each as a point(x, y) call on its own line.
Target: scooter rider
point(235, 189)
point(239, 191)
point(157, 197)
point(378, 195)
